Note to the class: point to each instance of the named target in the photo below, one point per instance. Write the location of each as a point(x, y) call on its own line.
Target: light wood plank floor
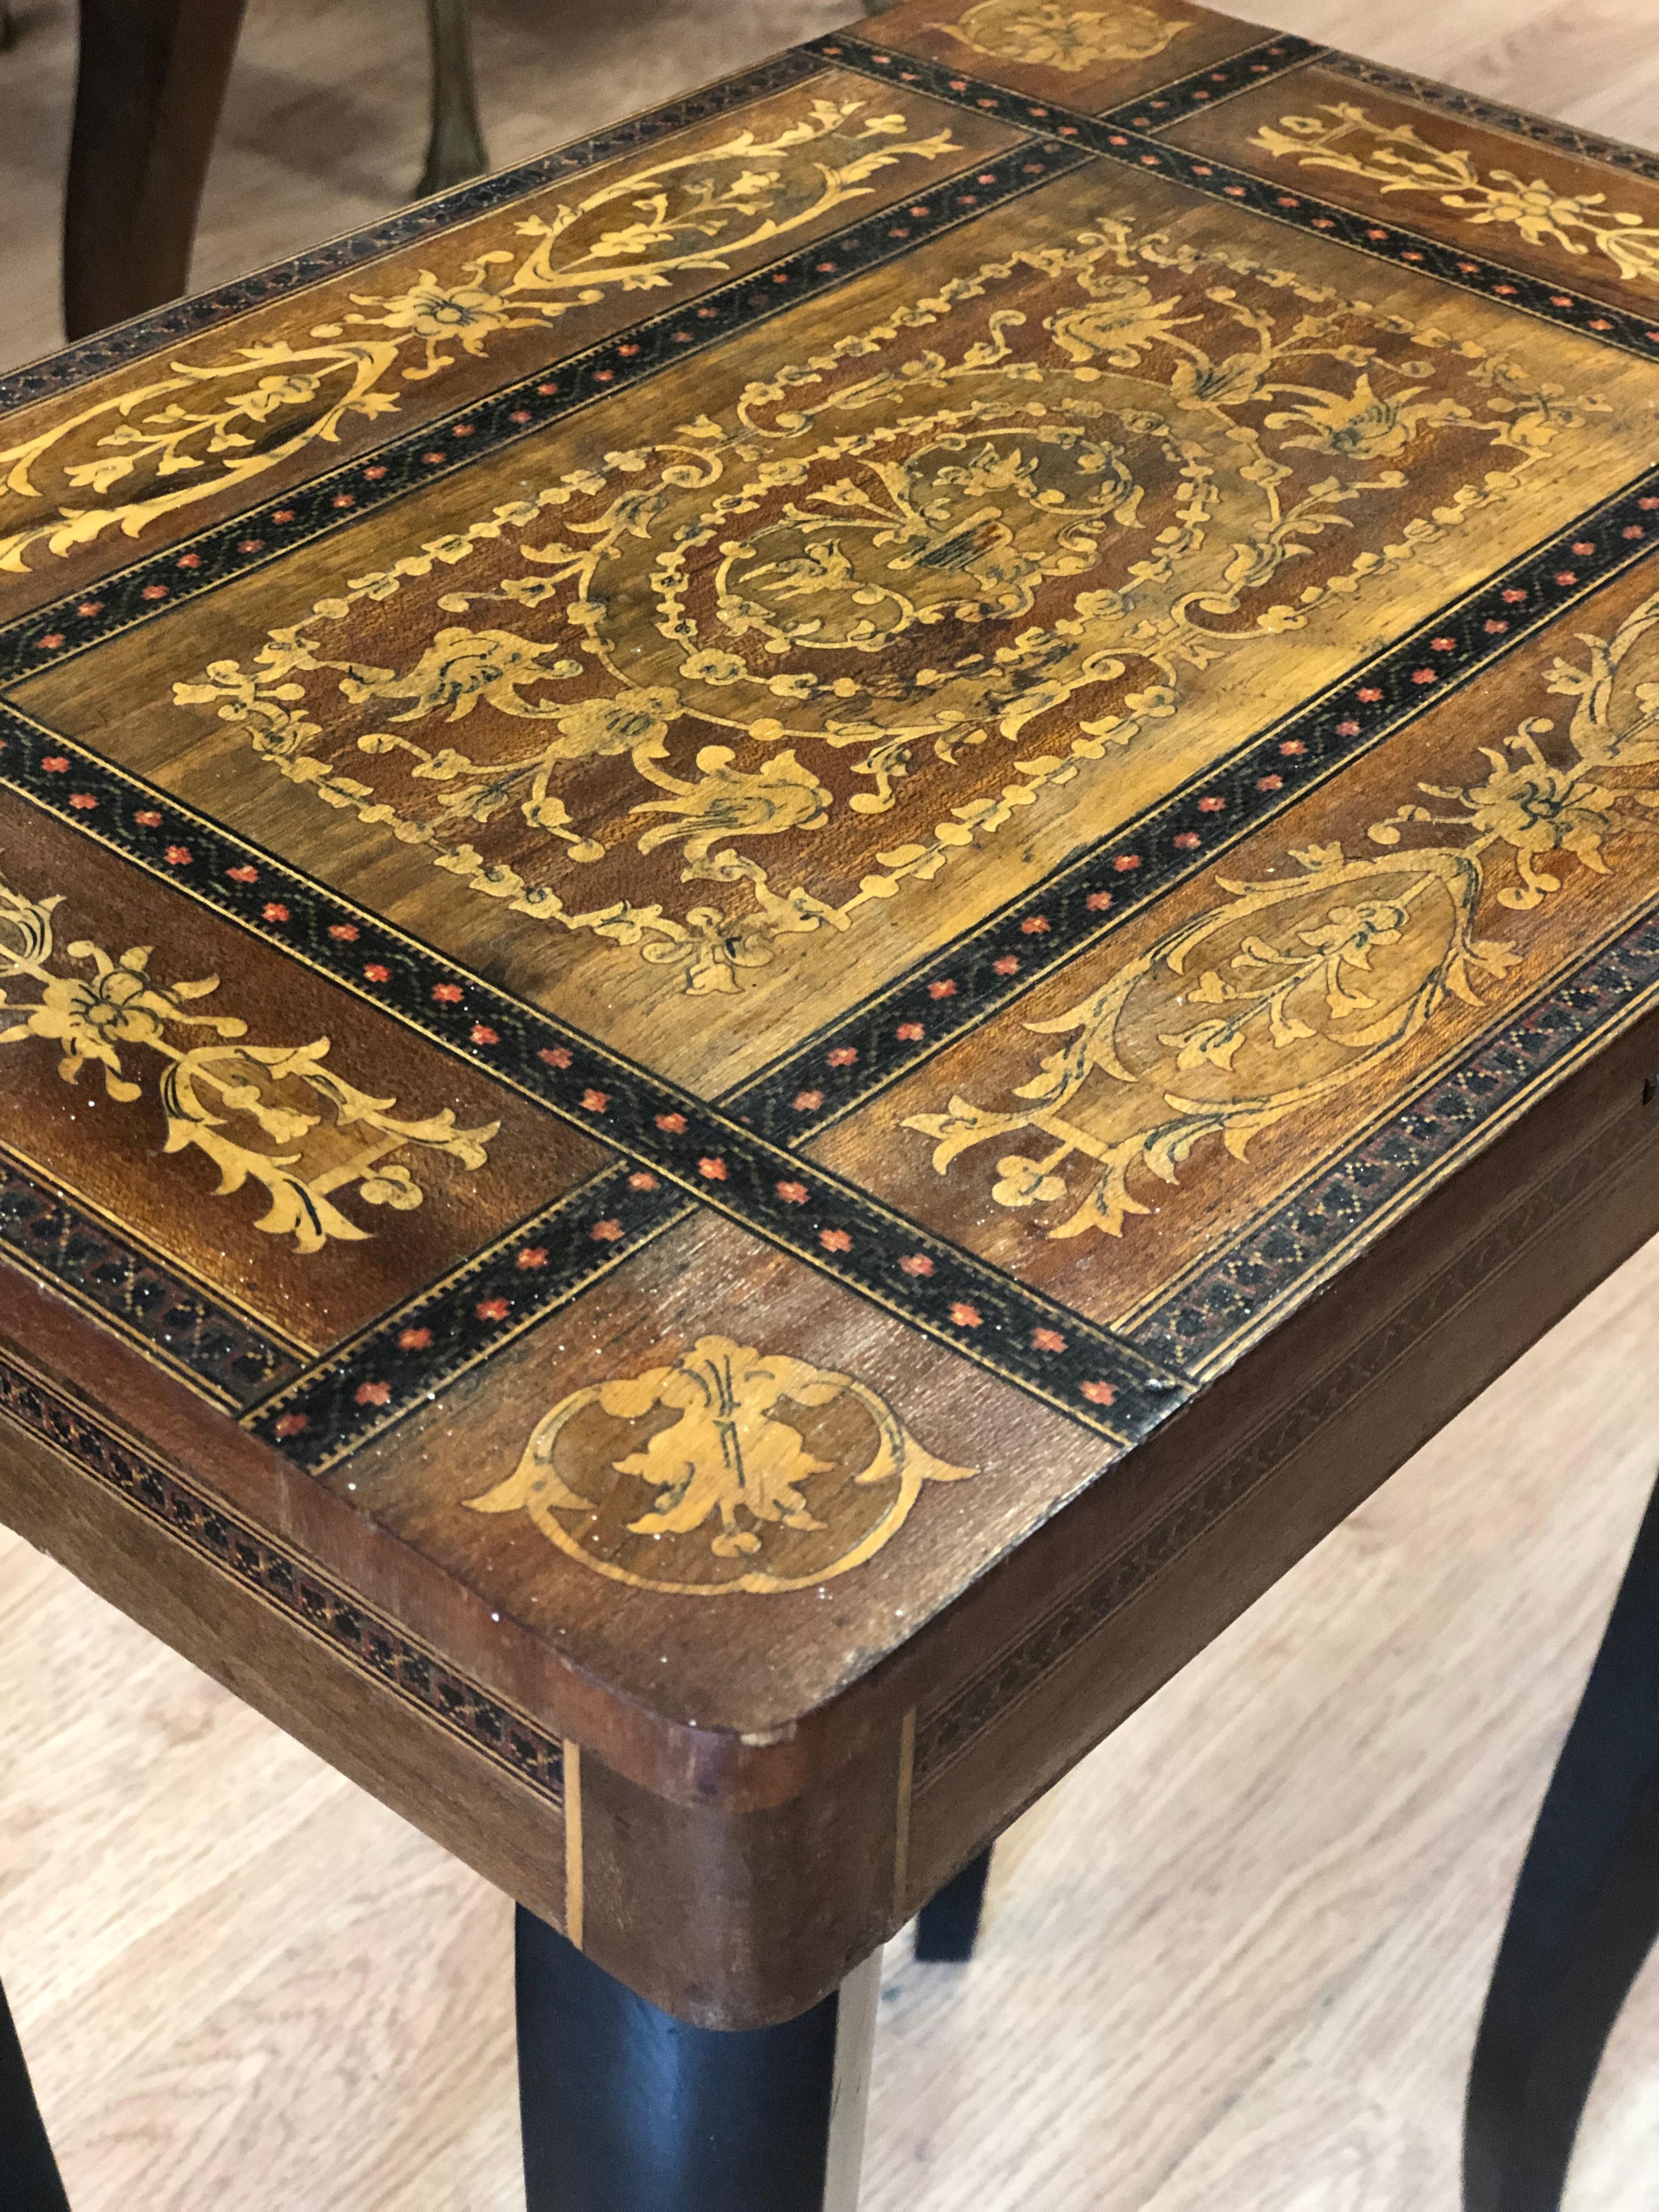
point(1232, 1965)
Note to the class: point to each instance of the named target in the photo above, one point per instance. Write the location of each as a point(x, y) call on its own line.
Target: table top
point(805, 918)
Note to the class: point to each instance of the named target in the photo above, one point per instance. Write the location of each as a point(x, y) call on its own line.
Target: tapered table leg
point(150, 85)
point(947, 1927)
point(455, 150)
point(29, 2172)
point(627, 2110)
point(1585, 1914)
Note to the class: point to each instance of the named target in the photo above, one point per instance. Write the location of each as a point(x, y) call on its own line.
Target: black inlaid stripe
point(1209, 88)
point(445, 1331)
point(180, 320)
point(451, 1326)
point(1466, 271)
point(1030, 1340)
point(994, 963)
point(46, 1233)
point(325, 505)
point(371, 1644)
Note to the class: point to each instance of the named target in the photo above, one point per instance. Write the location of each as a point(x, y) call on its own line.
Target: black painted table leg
point(947, 1927)
point(1584, 1916)
point(29, 2172)
point(627, 2110)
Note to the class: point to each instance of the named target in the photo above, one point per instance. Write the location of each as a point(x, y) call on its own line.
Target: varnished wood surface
point(763, 1761)
point(1354, 1957)
point(1237, 1959)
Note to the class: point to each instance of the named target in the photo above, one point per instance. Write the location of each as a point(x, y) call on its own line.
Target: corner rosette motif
point(731, 1470)
point(1048, 34)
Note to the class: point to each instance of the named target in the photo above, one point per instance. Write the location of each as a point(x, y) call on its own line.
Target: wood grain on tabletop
point(1234, 1961)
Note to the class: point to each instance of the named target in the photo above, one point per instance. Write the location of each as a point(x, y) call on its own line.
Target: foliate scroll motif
point(757, 1473)
point(1295, 989)
point(741, 684)
point(1395, 159)
point(208, 427)
point(1048, 34)
point(248, 1106)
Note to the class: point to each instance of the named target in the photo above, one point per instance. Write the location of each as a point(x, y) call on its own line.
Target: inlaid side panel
point(485, 1780)
point(267, 1137)
point(1164, 1093)
point(1501, 197)
point(1093, 1646)
point(156, 451)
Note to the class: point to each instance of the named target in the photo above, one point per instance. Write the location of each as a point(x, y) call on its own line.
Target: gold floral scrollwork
point(1294, 990)
point(208, 427)
point(739, 685)
point(769, 1474)
point(215, 1096)
point(1045, 34)
point(1395, 159)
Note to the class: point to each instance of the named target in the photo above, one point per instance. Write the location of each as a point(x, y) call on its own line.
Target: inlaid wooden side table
point(803, 922)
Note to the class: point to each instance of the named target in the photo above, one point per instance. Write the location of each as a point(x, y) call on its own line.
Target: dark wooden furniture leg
point(947, 1926)
point(1584, 1916)
point(151, 82)
point(626, 2110)
point(28, 2171)
point(456, 149)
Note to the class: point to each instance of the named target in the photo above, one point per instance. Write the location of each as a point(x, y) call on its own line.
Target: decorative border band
point(325, 505)
point(949, 1729)
point(369, 1644)
point(1215, 180)
point(49, 1235)
point(183, 318)
point(366, 1387)
point(1041, 1346)
point(1208, 88)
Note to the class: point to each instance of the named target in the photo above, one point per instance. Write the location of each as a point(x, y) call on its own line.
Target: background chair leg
point(947, 1927)
point(624, 2107)
point(29, 2172)
point(1583, 1918)
point(150, 84)
point(456, 149)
